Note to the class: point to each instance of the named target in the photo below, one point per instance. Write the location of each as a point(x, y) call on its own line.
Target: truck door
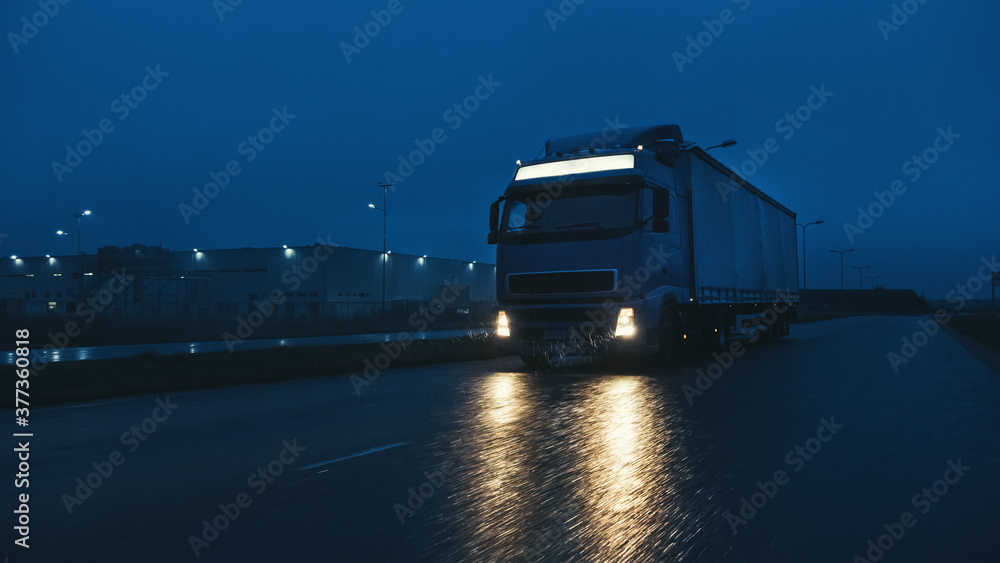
point(663, 249)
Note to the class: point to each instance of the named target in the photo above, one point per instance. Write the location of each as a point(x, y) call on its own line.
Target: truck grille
point(588, 281)
point(568, 315)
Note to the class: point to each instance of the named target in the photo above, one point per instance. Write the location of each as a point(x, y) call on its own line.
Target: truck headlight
point(626, 322)
point(503, 329)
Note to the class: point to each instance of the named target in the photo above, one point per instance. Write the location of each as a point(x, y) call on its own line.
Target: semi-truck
point(636, 242)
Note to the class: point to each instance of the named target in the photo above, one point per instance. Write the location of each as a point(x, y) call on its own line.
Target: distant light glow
point(576, 166)
point(13, 256)
point(372, 205)
point(48, 256)
point(87, 212)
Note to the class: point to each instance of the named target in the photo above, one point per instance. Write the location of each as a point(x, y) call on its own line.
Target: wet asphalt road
point(578, 465)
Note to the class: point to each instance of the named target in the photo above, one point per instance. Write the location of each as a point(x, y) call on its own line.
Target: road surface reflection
point(590, 470)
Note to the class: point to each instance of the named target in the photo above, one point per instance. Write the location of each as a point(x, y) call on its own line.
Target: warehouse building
point(316, 281)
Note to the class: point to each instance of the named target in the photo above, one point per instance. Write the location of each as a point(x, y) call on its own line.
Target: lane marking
point(359, 454)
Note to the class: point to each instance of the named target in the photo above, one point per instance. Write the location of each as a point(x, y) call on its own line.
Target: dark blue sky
point(354, 119)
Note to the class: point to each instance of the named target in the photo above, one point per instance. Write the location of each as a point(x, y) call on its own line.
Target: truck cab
point(590, 248)
point(595, 250)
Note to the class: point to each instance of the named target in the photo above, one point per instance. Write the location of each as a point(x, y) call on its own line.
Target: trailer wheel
point(778, 329)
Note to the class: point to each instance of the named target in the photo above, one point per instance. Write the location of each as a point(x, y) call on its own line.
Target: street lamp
point(385, 220)
point(79, 238)
point(804, 248)
point(873, 278)
point(79, 243)
point(842, 252)
point(861, 270)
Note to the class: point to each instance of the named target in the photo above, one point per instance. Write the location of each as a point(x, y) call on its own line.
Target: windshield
point(603, 211)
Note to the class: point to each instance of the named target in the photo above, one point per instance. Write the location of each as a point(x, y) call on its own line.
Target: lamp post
point(385, 220)
point(842, 252)
point(804, 248)
point(872, 278)
point(79, 243)
point(861, 270)
point(79, 237)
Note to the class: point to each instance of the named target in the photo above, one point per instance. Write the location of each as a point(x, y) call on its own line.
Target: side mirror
point(661, 203)
point(495, 216)
point(661, 225)
point(491, 238)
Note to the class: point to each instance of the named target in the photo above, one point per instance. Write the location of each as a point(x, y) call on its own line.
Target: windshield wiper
point(523, 227)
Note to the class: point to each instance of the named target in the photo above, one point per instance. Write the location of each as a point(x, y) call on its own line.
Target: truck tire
point(778, 329)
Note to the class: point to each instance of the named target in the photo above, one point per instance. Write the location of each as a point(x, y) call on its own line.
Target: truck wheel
point(778, 329)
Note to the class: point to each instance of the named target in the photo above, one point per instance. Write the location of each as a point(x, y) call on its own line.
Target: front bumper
point(554, 332)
